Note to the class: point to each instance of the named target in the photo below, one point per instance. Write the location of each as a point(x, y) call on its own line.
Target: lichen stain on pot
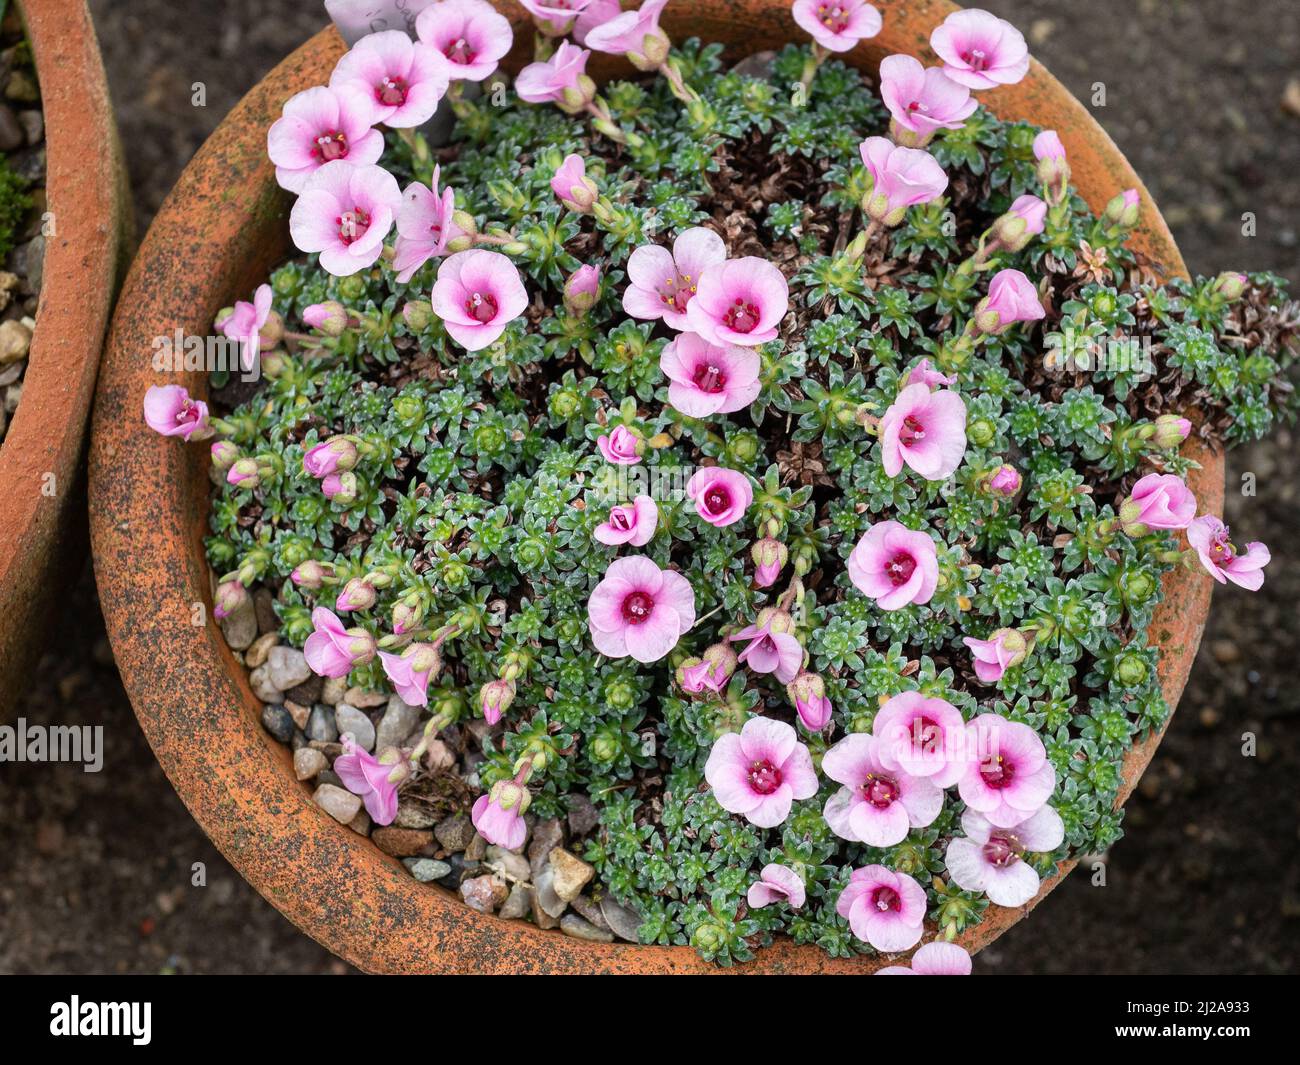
point(220, 232)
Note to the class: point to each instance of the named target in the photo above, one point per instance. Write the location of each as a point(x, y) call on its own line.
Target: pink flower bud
point(340, 488)
point(621, 446)
point(224, 454)
point(311, 575)
point(1004, 481)
point(330, 317)
point(357, 594)
point(808, 693)
point(243, 473)
point(1170, 431)
point(993, 657)
point(1158, 501)
point(582, 290)
point(1025, 219)
point(572, 186)
point(1230, 285)
point(709, 673)
point(169, 410)
point(406, 616)
point(1012, 298)
point(770, 557)
point(494, 699)
point(229, 597)
point(334, 455)
point(417, 314)
point(1122, 210)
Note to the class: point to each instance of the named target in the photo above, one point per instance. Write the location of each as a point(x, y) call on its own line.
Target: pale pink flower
point(411, 671)
point(321, 125)
point(1007, 776)
point(1004, 481)
point(244, 324)
point(477, 294)
point(921, 101)
point(837, 25)
point(635, 34)
point(331, 650)
point(777, 883)
point(1032, 211)
point(1158, 501)
point(721, 496)
point(900, 178)
point(877, 805)
point(620, 446)
point(629, 523)
point(169, 410)
point(640, 610)
point(556, 17)
point(709, 379)
point(772, 647)
point(402, 79)
point(344, 213)
point(336, 453)
point(884, 908)
point(363, 774)
point(572, 187)
point(993, 657)
point(1012, 298)
point(424, 226)
point(499, 815)
point(470, 34)
point(923, 736)
point(661, 284)
point(760, 771)
point(894, 565)
point(991, 859)
point(980, 50)
point(808, 693)
point(1209, 537)
point(936, 958)
point(923, 374)
point(594, 13)
point(1047, 145)
point(709, 672)
point(740, 301)
point(554, 80)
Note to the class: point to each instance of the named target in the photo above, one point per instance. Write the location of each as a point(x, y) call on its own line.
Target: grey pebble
point(278, 722)
point(396, 724)
point(426, 870)
point(338, 802)
point(320, 725)
point(622, 920)
point(573, 925)
point(350, 719)
point(287, 667)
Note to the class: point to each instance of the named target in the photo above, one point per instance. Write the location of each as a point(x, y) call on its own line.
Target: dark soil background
point(1204, 97)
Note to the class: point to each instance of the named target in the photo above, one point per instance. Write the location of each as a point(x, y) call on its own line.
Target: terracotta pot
point(42, 529)
point(221, 230)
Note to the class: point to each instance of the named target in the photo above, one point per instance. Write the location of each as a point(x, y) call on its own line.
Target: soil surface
point(96, 870)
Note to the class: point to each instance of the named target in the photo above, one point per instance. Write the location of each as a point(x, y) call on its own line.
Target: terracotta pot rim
point(83, 263)
point(219, 231)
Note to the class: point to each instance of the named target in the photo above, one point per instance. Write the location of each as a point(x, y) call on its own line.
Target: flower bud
point(340, 488)
point(330, 317)
point(357, 594)
point(581, 291)
point(494, 699)
point(1170, 431)
point(1122, 210)
point(334, 455)
point(224, 454)
point(229, 597)
point(243, 473)
point(1130, 670)
point(417, 314)
point(1025, 219)
point(407, 615)
point(508, 795)
point(274, 363)
point(361, 647)
point(272, 331)
point(311, 575)
point(808, 693)
point(770, 557)
point(981, 432)
point(465, 229)
point(1003, 481)
point(1230, 285)
point(708, 673)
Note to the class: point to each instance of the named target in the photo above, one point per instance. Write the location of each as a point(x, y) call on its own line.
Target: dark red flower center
point(353, 225)
point(709, 378)
point(764, 777)
point(481, 306)
point(886, 898)
point(911, 432)
point(926, 734)
point(997, 772)
point(717, 499)
point(391, 91)
point(742, 317)
point(975, 59)
point(460, 51)
point(1002, 849)
point(638, 607)
point(833, 17)
point(880, 791)
point(899, 569)
point(331, 145)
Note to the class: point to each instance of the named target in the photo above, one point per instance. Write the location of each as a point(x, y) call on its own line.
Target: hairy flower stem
point(673, 75)
point(815, 59)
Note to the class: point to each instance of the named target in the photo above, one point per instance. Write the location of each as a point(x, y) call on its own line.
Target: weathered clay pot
point(220, 231)
point(42, 529)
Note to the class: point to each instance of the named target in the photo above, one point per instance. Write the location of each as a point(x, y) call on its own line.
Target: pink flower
point(901, 178)
point(558, 80)
point(640, 610)
point(884, 908)
point(837, 25)
point(363, 774)
point(662, 284)
point(477, 294)
point(776, 882)
point(402, 79)
point(594, 13)
point(336, 453)
point(620, 446)
point(1012, 298)
point(709, 673)
point(630, 523)
point(993, 657)
point(980, 50)
point(923, 736)
point(922, 374)
point(1032, 211)
point(499, 815)
point(555, 17)
point(1047, 145)
point(1053, 171)
point(921, 101)
point(635, 34)
point(169, 410)
point(424, 226)
point(319, 126)
point(1209, 536)
point(572, 187)
point(808, 693)
point(991, 859)
point(1007, 776)
point(760, 771)
point(708, 378)
point(894, 565)
point(721, 496)
point(934, 959)
point(469, 33)
point(1158, 501)
point(1004, 481)
point(740, 301)
point(331, 650)
point(877, 806)
point(772, 646)
point(244, 324)
point(411, 671)
point(344, 213)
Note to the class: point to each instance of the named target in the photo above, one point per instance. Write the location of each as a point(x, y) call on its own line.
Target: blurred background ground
point(1204, 97)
